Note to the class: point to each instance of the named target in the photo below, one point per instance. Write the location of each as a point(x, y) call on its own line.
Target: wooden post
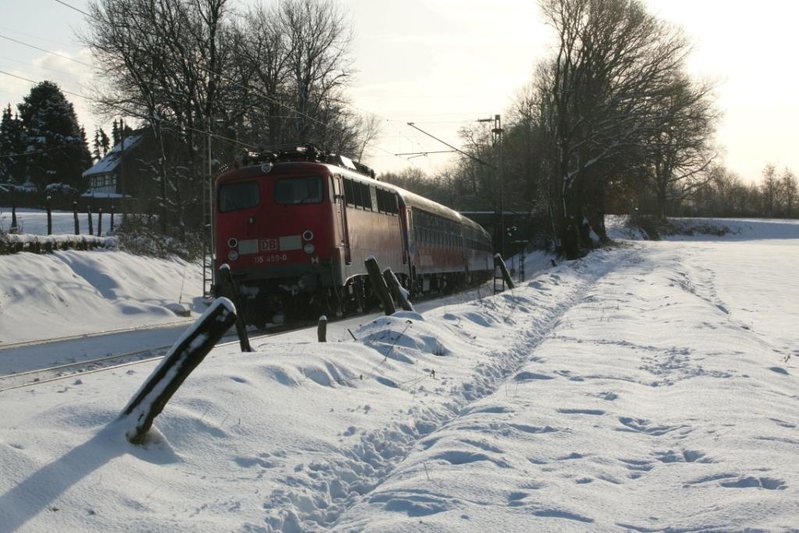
point(14, 227)
point(321, 330)
point(229, 289)
point(397, 291)
point(498, 261)
point(379, 285)
point(112, 219)
point(100, 222)
point(75, 216)
point(181, 360)
point(91, 224)
point(49, 216)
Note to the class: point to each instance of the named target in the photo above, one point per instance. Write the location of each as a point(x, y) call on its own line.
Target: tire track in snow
point(322, 499)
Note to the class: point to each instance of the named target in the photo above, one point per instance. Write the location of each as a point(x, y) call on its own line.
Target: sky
point(444, 64)
point(645, 387)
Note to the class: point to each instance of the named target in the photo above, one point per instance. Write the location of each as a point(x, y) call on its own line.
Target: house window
point(104, 183)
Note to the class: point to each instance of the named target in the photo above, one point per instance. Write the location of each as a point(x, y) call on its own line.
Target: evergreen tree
point(96, 146)
point(55, 143)
point(101, 144)
point(105, 143)
point(116, 135)
point(86, 157)
point(12, 163)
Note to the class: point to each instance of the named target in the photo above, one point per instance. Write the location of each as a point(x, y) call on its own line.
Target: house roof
point(110, 162)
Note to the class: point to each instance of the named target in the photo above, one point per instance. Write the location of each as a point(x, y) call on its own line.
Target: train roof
point(341, 165)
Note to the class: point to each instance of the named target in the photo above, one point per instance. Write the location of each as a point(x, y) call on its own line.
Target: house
point(116, 174)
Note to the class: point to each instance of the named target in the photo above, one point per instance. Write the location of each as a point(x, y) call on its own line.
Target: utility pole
point(496, 131)
point(208, 216)
point(122, 170)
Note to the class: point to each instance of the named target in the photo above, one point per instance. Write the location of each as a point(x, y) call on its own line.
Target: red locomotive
point(296, 227)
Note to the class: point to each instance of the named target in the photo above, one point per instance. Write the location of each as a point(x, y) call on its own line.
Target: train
point(295, 227)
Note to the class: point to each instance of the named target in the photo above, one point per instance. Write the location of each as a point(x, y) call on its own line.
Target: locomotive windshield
point(235, 196)
point(307, 190)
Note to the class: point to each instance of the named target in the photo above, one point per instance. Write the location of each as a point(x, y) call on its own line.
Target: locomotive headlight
point(307, 235)
point(232, 242)
point(309, 248)
point(232, 255)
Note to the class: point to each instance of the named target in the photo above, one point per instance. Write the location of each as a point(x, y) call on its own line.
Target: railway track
point(58, 372)
point(50, 374)
point(83, 336)
point(75, 369)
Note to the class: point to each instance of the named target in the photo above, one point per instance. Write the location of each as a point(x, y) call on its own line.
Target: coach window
point(299, 190)
point(373, 198)
point(366, 197)
point(235, 196)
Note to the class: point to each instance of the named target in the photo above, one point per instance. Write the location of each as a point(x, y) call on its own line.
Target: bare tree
point(262, 49)
point(788, 192)
point(769, 188)
point(161, 59)
point(678, 153)
point(209, 82)
point(318, 62)
point(613, 64)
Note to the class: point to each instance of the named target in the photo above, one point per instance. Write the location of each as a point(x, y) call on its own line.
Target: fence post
point(112, 219)
point(14, 227)
point(397, 292)
point(75, 216)
point(379, 285)
point(100, 222)
point(49, 216)
point(321, 330)
point(229, 288)
point(91, 224)
point(181, 360)
point(498, 261)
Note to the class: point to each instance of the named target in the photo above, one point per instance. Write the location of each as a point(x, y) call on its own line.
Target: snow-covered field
point(648, 387)
point(34, 221)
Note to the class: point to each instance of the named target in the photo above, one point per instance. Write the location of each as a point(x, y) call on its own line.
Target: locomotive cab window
point(308, 190)
point(236, 196)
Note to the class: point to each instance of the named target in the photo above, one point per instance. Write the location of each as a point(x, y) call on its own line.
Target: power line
point(209, 71)
point(53, 41)
point(470, 156)
point(138, 115)
point(425, 153)
point(219, 75)
point(73, 7)
point(233, 82)
point(62, 72)
point(43, 50)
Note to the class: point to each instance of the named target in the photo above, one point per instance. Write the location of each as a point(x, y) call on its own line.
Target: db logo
point(268, 245)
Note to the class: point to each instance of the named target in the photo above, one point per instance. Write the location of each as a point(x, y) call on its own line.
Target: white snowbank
point(647, 387)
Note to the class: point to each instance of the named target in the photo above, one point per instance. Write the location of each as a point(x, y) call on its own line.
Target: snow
point(34, 222)
point(647, 387)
